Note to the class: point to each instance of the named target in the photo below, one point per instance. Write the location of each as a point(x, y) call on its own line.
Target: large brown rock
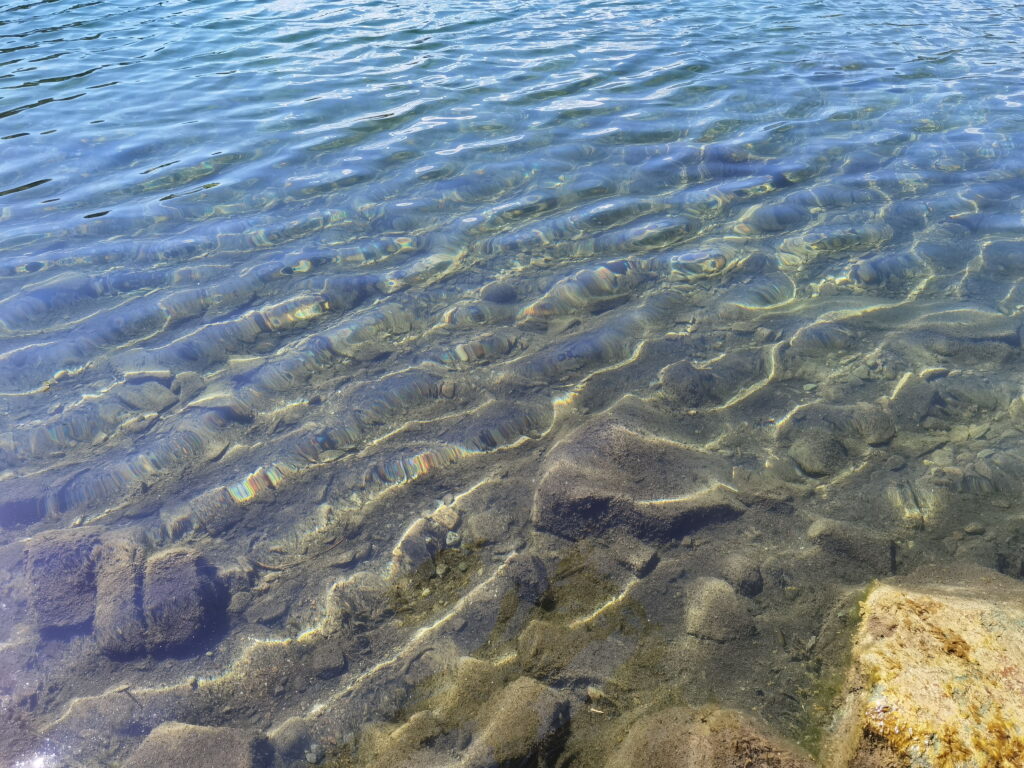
point(682, 738)
point(180, 745)
point(59, 566)
point(937, 676)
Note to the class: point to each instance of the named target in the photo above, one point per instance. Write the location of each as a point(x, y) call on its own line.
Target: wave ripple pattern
point(375, 375)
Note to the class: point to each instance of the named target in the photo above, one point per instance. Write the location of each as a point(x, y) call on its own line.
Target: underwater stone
point(818, 452)
point(522, 719)
point(179, 599)
point(682, 738)
point(186, 384)
point(15, 512)
point(855, 543)
point(743, 574)
point(468, 686)
point(715, 612)
point(873, 424)
point(936, 675)
point(529, 577)
point(690, 386)
point(608, 475)
point(640, 558)
point(147, 396)
point(406, 745)
point(912, 400)
point(292, 738)
point(174, 745)
point(545, 648)
point(499, 293)
point(118, 625)
point(59, 566)
point(325, 659)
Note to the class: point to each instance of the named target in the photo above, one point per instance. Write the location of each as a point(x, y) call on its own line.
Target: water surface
point(499, 330)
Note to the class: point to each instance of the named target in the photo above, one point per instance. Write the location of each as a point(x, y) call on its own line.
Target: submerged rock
point(854, 542)
point(818, 452)
point(682, 738)
point(59, 566)
point(174, 745)
point(545, 648)
point(936, 677)
point(119, 626)
point(180, 599)
point(743, 573)
point(611, 475)
point(474, 722)
point(715, 612)
point(522, 720)
point(146, 396)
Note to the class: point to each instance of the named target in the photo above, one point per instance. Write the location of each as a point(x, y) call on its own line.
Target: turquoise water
point(370, 310)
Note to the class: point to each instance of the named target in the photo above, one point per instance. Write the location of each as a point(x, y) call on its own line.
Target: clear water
point(279, 280)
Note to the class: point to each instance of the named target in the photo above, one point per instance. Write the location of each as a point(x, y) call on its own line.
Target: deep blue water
point(278, 279)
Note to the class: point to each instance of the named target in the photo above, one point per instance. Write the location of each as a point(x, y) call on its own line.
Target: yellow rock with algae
point(937, 677)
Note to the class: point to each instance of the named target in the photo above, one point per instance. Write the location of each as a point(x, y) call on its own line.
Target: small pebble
point(452, 539)
point(314, 754)
point(974, 529)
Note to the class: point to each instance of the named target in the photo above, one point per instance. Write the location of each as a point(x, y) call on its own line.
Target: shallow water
point(490, 330)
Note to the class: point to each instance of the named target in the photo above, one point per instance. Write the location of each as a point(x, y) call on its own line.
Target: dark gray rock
point(118, 625)
point(181, 600)
point(912, 401)
point(180, 745)
point(59, 566)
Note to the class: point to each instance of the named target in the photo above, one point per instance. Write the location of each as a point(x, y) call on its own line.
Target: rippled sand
point(368, 372)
